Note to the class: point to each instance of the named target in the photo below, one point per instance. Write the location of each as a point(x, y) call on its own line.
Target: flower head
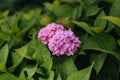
point(48, 31)
point(64, 42)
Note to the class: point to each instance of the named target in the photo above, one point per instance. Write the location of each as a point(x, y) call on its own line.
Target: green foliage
point(82, 74)
point(3, 57)
point(99, 61)
point(24, 57)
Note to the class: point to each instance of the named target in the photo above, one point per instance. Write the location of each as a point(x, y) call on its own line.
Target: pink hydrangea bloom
point(64, 42)
point(48, 31)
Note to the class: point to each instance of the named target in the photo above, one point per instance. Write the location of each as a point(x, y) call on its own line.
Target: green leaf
point(29, 78)
point(96, 43)
point(59, 78)
point(110, 70)
point(115, 20)
point(114, 11)
point(27, 25)
point(64, 66)
point(31, 49)
point(17, 57)
point(3, 57)
point(53, 5)
point(4, 36)
point(82, 74)
point(22, 76)
point(5, 29)
point(42, 54)
point(45, 19)
point(99, 23)
point(5, 13)
point(77, 12)
point(2, 21)
point(88, 2)
point(99, 60)
point(30, 69)
point(92, 10)
point(46, 71)
point(63, 11)
point(12, 25)
point(8, 76)
point(84, 26)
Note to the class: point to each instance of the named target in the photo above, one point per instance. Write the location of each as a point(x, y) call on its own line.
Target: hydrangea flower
point(48, 31)
point(64, 42)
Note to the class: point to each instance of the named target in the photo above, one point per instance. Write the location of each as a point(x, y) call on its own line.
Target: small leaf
point(77, 12)
point(3, 57)
point(82, 74)
point(99, 23)
point(99, 60)
point(84, 26)
point(92, 10)
point(115, 20)
point(59, 78)
point(5, 13)
point(4, 36)
point(22, 76)
point(30, 69)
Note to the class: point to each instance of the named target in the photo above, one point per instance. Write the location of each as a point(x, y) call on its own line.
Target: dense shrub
point(97, 24)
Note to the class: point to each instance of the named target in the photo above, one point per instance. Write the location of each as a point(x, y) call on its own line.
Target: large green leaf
point(82, 74)
point(7, 76)
point(102, 42)
point(42, 54)
point(99, 60)
point(18, 56)
point(84, 26)
point(115, 20)
point(64, 66)
point(3, 57)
